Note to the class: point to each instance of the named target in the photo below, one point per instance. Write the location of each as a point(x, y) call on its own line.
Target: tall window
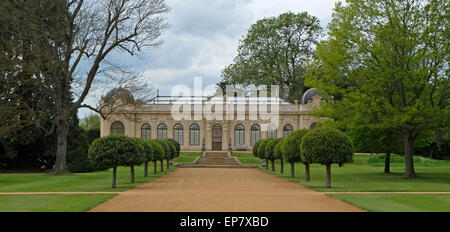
point(117, 128)
point(178, 133)
point(287, 130)
point(239, 135)
point(162, 131)
point(194, 135)
point(271, 131)
point(145, 131)
point(255, 135)
point(313, 125)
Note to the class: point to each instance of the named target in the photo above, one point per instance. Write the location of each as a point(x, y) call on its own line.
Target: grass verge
point(398, 202)
point(51, 202)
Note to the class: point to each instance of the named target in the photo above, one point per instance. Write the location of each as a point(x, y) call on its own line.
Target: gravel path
point(222, 190)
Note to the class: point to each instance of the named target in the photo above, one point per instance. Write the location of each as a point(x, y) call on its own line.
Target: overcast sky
point(203, 38)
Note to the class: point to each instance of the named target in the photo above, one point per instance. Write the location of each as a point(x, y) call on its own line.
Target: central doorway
point(217, 137)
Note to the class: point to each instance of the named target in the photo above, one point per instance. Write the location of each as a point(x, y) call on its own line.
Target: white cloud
point(203, 38)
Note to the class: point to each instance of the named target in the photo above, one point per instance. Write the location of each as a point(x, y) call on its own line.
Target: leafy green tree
point(136, 158)
point(385, 63)
point(327, 146)
point(112, 151)
point(378, 141)
point(177, 146)
point(292, 151)
point(158, 153)
point(73, 40)
point(262, 151)
point(173, 152)
point(147, 153)
point(167, 151)
point(255, 148)
point(270, 151)
point(275, 51)
point(278, 153)
point(91, 121)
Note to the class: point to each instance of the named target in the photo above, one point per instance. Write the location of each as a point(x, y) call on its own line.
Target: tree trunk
point(267, 164)
point(292, 170)
point(281, 165)
point(307, 176)
point(146, 169)
point(328, 184)
point(154, 166)
point(132, 174)
point(167, 163)
point(114, 177)
point(387, 163)
point(409, 152)
point(162, 165)
point(61, 148)
point(273, 165)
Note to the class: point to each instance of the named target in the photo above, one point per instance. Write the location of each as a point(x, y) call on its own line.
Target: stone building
point(156, 120)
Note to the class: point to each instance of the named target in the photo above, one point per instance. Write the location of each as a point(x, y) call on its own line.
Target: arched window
point(194, 135)
point(162, 131)
point(117, 128)
point(287, 130)
point(313, 125)
point(145, 131)
point(239, 135)
point(271, 131)
point(178, 133)
point(255, 135)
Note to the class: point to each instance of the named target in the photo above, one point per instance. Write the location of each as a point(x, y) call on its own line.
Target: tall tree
point(275, 51)
point(78, 38)
point(386, 65)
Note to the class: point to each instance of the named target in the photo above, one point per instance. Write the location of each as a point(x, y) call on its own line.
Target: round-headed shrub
point(262, 148)
point(158, 152)
point(137, 158)
point(173, 149)
point(255, 148)
point(167, 150)
point(113, 151)
point(173, 152)
point(270, 150)
point(147, 152)
point(291, 150)
point(327, 146)
point(177, 146)
point(278, 153)
point(291, 146)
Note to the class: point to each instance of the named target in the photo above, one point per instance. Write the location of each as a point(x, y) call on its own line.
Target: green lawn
point(359, 176)
point(398, 202)
point(362, 176)
point(51, 203)
point(83, 182)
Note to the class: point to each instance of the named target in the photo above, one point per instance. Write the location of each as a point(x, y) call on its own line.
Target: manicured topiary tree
point(110, 152)
point(158, 153)
point(136, 158)
point(291, 150)
point(278, 153)
point(177, 146)
point(255, 148)
point(148, 154)
point(327, 146)
point(270, 151)
point(173, 152)
point(167, 151)
point(262, 151)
